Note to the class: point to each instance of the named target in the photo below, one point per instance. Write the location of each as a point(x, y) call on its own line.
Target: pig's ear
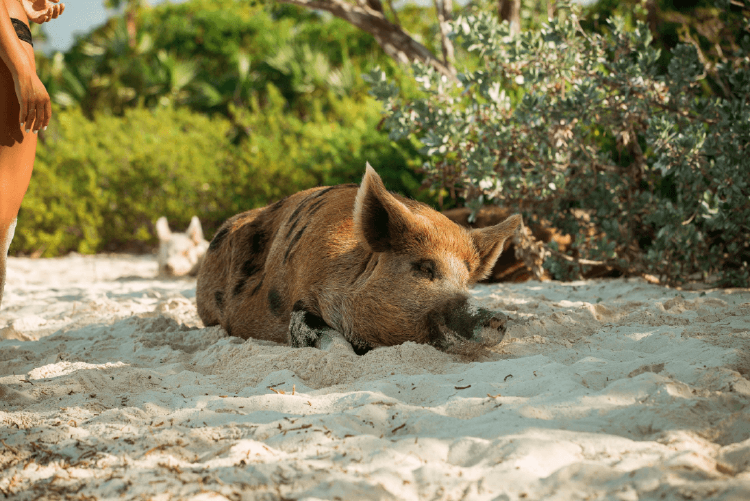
point(380, 220)
point(195, 231)
point(490, 242)
point(162, 229)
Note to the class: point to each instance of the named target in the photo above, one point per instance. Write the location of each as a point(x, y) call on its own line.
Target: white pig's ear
point(162, 229)
point(381, 222)
point(490, 242)
point(195, 230)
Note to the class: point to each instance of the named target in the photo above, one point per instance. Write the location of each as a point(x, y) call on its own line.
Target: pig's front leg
point(305, 329)
point(308, 329)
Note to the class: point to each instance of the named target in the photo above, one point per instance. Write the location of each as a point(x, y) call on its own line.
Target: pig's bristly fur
point(374, 266)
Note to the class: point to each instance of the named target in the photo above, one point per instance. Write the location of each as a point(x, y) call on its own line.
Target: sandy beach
point(111, 388)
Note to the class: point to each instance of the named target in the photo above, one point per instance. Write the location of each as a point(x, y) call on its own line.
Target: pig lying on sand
point(378, 268)
point(180, 253)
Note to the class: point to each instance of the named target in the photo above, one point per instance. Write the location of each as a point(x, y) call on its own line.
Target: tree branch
point(581, 261)
point(375, 5)
point(396, 42)
point(445, 41)
point(395, 15)
point(510, 10)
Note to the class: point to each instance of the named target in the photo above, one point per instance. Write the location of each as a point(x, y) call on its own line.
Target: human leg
point(6, 236)
point(17, 153)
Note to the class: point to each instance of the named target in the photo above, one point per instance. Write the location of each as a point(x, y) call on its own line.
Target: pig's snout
point(458, 322)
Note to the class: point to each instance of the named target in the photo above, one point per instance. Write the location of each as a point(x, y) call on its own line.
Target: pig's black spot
point(330, 188)
point(275, 206)
point(275, 302)
point(239, 286)
point(312, 320)
point(256, 237)
point(294, 241)
point(315, 207)
point(258, 242)
point(219, 297)
point(294, 218)
point(250, 267)
point(258, 285)
point(323, 192)
point(291, 229)
point(337, 187)
point(218, 239)
point(298, 209)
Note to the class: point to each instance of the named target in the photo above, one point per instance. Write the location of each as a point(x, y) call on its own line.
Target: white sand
point(111, 389)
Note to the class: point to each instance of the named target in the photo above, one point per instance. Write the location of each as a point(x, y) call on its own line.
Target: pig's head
point(180, 253)
point(415, 285)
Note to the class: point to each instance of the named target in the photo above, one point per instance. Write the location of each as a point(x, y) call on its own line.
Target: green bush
point(101, 184)
point(328, 148)
point(209, 55)
point(647, 172)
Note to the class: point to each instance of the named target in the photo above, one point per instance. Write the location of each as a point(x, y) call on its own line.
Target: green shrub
point(100, 185)
point(648, 173)
point(329, 148)
point(209, 55)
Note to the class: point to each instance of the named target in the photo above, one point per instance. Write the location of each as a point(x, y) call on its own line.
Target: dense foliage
point(101, 184)
point(207, 54)
point(584, 131)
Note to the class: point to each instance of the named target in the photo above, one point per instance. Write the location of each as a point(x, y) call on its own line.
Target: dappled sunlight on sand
point(110, 387)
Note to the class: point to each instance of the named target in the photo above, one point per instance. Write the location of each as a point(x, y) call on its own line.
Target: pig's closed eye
point(425, 269)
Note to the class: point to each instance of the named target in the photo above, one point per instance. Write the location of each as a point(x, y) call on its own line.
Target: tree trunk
point(396, 42)
point(510, 10)
point(443, 16)
point(132, 27)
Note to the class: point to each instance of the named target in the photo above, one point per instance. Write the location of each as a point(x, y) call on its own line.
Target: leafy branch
point(586, 132)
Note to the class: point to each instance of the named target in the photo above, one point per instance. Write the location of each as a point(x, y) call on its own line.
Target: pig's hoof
point(309, 330)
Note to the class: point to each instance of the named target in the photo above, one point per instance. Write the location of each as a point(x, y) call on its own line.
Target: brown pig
point(378, 268)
